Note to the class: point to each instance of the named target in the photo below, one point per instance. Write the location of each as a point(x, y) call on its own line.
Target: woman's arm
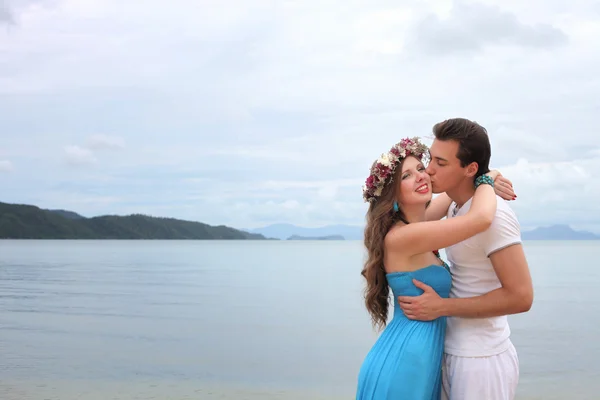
point(438, 208)
point(420, 237)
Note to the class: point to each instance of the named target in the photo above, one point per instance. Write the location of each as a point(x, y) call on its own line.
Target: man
point(490, 275)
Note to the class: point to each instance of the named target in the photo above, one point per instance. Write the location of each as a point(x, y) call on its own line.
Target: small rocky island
point(328, 237)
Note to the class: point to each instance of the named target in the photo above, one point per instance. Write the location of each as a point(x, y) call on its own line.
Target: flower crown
point(385, 166)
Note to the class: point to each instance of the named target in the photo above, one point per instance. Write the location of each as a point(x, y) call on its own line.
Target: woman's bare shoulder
point(394, 239)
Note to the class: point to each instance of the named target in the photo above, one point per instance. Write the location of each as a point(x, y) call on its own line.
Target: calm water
point(246, 320)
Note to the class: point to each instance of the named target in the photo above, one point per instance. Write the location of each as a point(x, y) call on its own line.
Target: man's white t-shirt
point(474, 275)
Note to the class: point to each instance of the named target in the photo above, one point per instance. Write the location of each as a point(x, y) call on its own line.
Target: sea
point(108, 320)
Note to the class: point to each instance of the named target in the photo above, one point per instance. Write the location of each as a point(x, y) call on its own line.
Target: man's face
point(444, 168)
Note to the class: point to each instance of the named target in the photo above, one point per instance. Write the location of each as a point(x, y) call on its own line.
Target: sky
point(250, 112)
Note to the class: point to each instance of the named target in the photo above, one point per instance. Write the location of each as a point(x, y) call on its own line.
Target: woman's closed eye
point(407, 174)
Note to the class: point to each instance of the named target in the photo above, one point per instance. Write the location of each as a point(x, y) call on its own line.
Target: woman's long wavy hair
point(379, 220)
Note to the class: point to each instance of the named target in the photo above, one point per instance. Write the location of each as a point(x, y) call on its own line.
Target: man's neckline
point(456, 208)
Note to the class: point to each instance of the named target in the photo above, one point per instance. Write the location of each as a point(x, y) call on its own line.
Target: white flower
point(385, 160)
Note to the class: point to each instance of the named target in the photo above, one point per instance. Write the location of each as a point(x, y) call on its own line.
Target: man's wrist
point(443, 309)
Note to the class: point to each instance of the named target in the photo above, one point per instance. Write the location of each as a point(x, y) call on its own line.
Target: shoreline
point(162, 389)
point(78, 389)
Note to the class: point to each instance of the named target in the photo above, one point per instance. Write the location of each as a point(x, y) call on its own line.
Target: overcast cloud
point(250, 112)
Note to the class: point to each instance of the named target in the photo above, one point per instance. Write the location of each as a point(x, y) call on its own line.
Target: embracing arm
point(502, 244)
point(514, 297)
point(432, 235)
point(438, 208)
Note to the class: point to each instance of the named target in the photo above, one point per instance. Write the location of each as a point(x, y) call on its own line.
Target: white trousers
point(481, 378)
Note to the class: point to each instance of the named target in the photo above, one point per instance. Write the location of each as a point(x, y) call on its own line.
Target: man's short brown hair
point(473, 141)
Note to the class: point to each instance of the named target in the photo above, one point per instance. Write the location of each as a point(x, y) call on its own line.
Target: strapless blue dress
point(405, 363)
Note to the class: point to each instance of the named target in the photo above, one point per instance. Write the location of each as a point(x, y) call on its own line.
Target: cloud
point(103, 142)
point(5, 166)
point(87, 155)
point(11, 10)
point(6, 15)
point(76, 155)
point(550, 192)
point(471, 27)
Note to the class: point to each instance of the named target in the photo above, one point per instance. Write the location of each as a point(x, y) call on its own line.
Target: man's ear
point(472, 169)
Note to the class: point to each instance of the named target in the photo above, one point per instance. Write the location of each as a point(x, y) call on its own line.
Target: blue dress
point(405, 363)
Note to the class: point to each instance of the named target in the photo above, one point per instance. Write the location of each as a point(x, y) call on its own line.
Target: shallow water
point(245, 320)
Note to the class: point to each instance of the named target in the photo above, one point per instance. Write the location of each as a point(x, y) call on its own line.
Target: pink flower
point(383, 170)
point(370, 181)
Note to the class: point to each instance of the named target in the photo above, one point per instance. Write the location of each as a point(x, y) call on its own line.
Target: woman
point(402, 235)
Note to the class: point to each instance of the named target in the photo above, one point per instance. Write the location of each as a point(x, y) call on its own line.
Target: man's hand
point(425, 307)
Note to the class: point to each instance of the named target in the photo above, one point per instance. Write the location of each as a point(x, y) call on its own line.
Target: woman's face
point(414, 184)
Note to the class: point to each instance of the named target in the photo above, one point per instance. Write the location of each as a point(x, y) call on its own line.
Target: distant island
point(355, 232)
point(329, 237)
point(19, 221)
point(558, 232)
point(284, 231)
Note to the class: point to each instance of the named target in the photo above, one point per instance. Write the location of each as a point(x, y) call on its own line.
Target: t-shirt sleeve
point(504, 231)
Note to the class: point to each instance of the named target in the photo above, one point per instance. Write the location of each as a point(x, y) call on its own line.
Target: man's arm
point(514, 297)
point(502, 243)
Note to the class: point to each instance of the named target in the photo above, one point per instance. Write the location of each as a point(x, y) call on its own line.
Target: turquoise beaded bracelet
point(484, 179)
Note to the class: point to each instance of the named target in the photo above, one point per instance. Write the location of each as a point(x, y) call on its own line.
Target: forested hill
point(19, 221)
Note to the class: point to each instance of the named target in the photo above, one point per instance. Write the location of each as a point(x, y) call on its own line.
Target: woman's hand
point(502, 186)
